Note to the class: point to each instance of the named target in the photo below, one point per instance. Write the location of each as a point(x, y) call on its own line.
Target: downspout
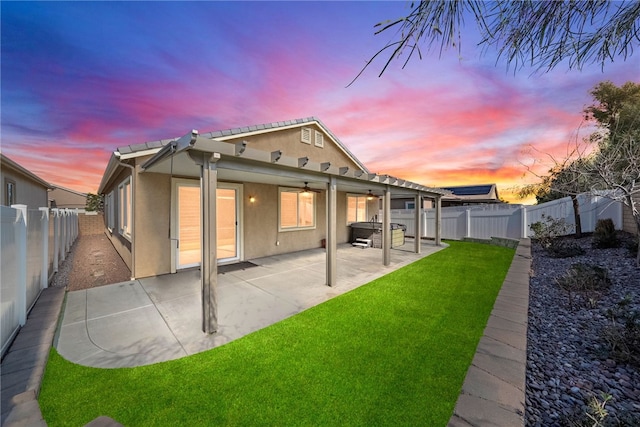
point(133, 216)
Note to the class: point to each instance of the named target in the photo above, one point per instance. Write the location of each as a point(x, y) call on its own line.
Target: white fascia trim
point(148, 152)
point(260, 131)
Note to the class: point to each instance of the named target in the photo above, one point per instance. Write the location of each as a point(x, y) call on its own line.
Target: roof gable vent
point(305, 135)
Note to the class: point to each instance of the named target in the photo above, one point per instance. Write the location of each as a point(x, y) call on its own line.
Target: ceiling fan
point(307, 189)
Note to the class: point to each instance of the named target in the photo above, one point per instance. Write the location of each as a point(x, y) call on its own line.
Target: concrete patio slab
point(155, 319)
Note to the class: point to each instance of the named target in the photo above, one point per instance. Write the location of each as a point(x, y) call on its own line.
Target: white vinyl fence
point(504, 220)
point(34, 243)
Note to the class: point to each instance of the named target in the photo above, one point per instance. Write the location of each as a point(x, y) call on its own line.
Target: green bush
point(604, 236)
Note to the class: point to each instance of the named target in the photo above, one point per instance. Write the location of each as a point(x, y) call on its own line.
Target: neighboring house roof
point(63, 197)
point(474, 193)
point(8, 163)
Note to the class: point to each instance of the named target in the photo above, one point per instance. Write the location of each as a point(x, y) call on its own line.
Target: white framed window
point(110, 209)
point(297, 209)
point(124, 212)
point(305, 135)
point(356, 208)
point(319, 139)
point(9, 192)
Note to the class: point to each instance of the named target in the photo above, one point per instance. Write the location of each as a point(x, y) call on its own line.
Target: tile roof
point(129, 149)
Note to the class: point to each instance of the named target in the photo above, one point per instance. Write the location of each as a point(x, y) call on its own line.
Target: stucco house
point(463, 195)
point(21, 186)
point(222, 197)
point(471, 195)
point(66, 198)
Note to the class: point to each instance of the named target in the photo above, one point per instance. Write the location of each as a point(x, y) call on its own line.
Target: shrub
point(594, 413)
point(632, 246)
point(585, 280)
point(604, 236)
point(563, 249)
point(549, 229)
point(623, 333)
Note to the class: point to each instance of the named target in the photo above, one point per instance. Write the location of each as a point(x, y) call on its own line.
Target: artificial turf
point(392, 352)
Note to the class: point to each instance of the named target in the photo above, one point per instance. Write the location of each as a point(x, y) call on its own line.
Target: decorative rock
point(568, 361)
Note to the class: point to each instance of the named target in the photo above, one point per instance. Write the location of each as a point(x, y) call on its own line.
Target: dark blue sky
point(80, 79)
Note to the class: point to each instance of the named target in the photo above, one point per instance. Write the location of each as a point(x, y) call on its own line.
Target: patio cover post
point(438, 229)
point(386, 227)
point(331, 242)
point(209, 273)
point(417, 223)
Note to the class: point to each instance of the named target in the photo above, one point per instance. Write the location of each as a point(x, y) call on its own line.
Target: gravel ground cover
point(568, 360)
point(92, 262)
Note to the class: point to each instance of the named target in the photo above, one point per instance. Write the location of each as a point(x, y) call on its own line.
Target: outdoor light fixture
point(252, 199)
point(240, 147)
point(275, 156)
point(370, 195)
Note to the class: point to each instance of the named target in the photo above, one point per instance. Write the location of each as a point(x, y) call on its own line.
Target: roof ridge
point(132, 148)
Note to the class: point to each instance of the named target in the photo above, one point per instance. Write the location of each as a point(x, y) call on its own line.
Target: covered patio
point(215, 161)
point(155, 319)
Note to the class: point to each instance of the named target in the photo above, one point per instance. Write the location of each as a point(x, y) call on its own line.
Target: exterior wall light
point(252, 199)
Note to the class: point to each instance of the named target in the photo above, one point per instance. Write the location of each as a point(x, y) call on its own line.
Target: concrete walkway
point(23, 366)
point(493, 393)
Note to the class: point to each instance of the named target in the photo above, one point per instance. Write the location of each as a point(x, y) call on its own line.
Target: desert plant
point(585, 280)
point(632, 246)
point(564, 249)
point(604, 235)
point(597, 412)
point(623, 333)
point(594, 413)
point(549, 229)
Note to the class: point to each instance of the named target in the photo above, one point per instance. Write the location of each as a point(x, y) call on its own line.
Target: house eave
point(7, 162)
point(245, 158)
point(293, 125)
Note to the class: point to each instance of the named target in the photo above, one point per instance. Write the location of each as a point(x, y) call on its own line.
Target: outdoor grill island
point(369, 234)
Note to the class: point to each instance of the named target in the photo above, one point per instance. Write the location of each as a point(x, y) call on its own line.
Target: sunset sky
point(82, 79)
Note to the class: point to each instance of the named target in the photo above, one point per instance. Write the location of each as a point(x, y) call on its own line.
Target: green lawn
point(392, 352)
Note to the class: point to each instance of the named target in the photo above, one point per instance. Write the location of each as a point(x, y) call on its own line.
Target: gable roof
point(481, 193)
point(136, 150)
point(219, 141)
point(7, 162)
